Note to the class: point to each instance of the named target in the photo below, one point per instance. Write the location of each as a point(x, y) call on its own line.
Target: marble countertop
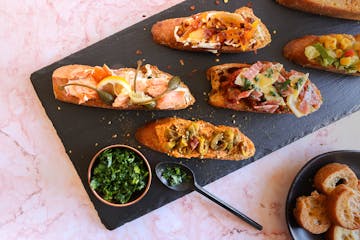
point(40, 192)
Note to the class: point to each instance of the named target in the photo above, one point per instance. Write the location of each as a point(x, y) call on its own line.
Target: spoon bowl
point(190, 184)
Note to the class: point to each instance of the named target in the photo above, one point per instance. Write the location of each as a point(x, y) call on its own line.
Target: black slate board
point(84, 130)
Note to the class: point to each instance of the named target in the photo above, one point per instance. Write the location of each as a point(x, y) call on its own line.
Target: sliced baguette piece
point(214, 31)
point(347, 9)
point(151, 82)
point(344, 207)
point(329, 176)
point(339, 233)
point(183, 138)
point(295, 51)
point(310, 213)
point(268, 89)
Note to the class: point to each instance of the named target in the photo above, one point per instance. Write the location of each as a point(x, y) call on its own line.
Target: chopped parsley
point(174, 175)
point(272, 93)
point(247, 84)
point(284, 85)
point(118, 174)
point(299, 83)
point(269, 73)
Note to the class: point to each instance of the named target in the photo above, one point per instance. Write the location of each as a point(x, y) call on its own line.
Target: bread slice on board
point(347, 9)
point(329, 176)
point(344, 207)
point(151, 88)
point(310, 213)
point(337, 53)
point(183, 138)
point(214, 31)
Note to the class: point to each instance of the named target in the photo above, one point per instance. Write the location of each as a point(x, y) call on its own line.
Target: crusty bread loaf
point(348, 9)
point(339, 233)
point(329, 176)
point(310, 213)
point(164, 32)
point(344, 207)
point(183, 138)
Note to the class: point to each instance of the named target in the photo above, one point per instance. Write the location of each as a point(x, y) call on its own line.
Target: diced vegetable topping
point(175, 176)
point(337, 50)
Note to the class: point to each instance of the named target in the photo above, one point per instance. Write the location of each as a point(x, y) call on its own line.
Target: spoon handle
point(236, 212)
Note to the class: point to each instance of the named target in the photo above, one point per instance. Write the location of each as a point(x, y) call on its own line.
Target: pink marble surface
point(42, 196)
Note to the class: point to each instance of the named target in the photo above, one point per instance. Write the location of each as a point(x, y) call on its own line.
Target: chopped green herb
point(257, 78)
point(118, 174)
point(299, 83)
point(326, 59)
point(174, 175)
point(284, 85)
point(272, 93)
point(269, 73)
point(247, 84)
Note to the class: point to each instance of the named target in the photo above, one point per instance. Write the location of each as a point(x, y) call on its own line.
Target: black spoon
point(190, 183)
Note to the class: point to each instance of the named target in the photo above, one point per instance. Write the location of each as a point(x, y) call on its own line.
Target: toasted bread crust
point(310, 213)
point(344, 207)
point(62, 75)
point(163, 33)
point(329, 176)
point(339, 233)
point(347, 9)
point(153, 135)
point(294, 51)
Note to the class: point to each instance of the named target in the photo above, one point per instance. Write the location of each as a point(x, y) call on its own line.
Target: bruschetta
point(333, 52)
point(214, 31)
point(126, 88)
point(183, 138)
point(262, 87)
point(347, 9)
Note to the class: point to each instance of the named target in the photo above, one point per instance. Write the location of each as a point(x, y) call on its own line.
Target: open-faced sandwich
point(183, 138)
point(214, 31)
point(333, 52)
point(126, 88)
point(262, 87)
point(348, 9)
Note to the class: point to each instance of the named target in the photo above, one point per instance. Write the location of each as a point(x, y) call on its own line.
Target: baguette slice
point(183, 138)
point(347, 9)
point(214, 31)
point(151, 85)
point(337, 45)
point(310, 213)
point(339, 233)
point(262, 87)
point(329, 176)
point(344, 207)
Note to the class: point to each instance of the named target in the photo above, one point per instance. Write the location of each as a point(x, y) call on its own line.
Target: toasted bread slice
point(333, 174)
point(347, 9)
point(333, 52)
point(183, 138)
point(344, 207)
point(262, 87)
point(151, 88)
point(339, 233)
point(310, 213)
point(214, 31)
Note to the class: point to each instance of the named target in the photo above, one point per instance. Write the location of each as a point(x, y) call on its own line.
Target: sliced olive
point(182, 143)
point(203, 146)
point(193, 129)
point(229, 138)
point(172, 133)
point(217, 142)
